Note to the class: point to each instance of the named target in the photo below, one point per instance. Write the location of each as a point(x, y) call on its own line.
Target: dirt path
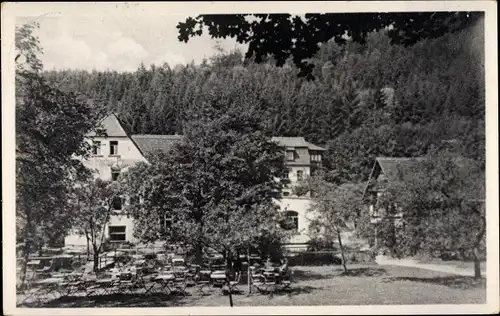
point(382, 260)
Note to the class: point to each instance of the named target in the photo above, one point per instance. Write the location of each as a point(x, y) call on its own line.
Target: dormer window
point(113, 147)
point(96, 148)
point(290, 155)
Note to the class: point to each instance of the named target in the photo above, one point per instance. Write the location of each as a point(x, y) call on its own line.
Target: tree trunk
point(199, 253)
point(26, 248)
point(477, 263)
point(96, 259)
point(342, 251)
point(26, 253)
point(477, 244)
point(88, 244)
point(229, 261)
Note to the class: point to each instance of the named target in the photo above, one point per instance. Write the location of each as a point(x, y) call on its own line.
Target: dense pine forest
point(366, 100)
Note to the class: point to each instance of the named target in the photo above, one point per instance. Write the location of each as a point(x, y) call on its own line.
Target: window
point(373, 211)
point(117, 203)
point(113, 147)
point(166, 221)
point(316, 157)
point(117, 233)
point(290, 155)
point(300, 175)
point(96, 148)
point(115, 174)
point(294, 219)
point(286, 193)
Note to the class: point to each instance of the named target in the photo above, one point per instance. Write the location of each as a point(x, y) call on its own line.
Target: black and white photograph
point(251, 157)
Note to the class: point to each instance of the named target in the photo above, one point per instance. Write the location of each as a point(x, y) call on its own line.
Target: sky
point(119, 42)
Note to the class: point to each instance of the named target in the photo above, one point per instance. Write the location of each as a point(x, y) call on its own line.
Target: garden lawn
point(326, 285)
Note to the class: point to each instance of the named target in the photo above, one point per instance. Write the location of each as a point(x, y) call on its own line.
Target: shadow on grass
point(294, 290)
point(116, 300)
point(301, 275)
point(456, 282)
point(363, 272)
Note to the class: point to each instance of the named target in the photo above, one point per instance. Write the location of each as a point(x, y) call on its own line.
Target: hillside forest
point(366, 100)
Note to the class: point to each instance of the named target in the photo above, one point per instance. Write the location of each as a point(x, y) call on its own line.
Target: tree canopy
point(283, 35)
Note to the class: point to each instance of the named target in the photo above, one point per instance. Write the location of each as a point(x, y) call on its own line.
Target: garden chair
point(203, 281)
point(45, 290)
point(127, 283)
point(286, 280)
point(261, 283)
point(104, 285)
point(74, 283)
point(179, 286)
point(233, 285)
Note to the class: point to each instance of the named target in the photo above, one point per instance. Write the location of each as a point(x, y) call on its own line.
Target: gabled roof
point(392, 166)
point(112, 127)
point(293, 142)
point(396, 168)
point(151, 143)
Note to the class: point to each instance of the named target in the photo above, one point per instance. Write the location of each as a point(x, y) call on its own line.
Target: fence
point(315, 258)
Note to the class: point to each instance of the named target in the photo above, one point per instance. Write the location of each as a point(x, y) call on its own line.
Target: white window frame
point(113, 148)
point(166, 218)
point(290, 155)
point(110, 234)
point(294, 216)
point(316, 157)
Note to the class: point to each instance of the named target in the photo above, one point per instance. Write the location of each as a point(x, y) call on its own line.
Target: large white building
point(115, 152)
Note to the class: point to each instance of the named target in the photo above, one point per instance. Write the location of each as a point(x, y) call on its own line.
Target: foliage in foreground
point(50, 134)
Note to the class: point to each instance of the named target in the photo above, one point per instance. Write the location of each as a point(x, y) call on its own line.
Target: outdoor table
point(48, 281)
point(139, 262)
point(218, 277)
point(45, 288)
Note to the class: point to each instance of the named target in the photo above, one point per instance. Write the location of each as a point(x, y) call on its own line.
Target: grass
point(325, 285)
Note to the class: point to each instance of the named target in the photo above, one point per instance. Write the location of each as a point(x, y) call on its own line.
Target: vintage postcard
point(250, 158)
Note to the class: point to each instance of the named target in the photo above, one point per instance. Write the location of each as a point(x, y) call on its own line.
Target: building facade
point(302, 158)
point(115, 151)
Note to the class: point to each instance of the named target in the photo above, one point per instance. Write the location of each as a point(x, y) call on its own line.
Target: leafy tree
point(334, 209)
point(92, 202)
point(50, 135)
point(217, 187)
point(283, 35)
point(442, 202)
